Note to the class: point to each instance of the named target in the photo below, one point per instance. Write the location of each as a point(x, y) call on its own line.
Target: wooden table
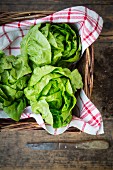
point(14, 151)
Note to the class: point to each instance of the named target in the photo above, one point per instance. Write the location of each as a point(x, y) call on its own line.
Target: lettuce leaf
point(36, 46)
point(15, 109)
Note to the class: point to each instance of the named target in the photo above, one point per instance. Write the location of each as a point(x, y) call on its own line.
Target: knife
point(89, 144)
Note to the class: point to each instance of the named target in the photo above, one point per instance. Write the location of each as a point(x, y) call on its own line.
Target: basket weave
point(85, 67)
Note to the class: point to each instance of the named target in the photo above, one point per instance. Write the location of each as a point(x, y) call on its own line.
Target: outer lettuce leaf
point(15, 109)
point(76, 80)
point(21, 67)
point(42, 107)
point(36, 46)
point(6, 62)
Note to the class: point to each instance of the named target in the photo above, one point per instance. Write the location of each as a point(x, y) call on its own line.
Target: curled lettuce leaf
point(37, 47)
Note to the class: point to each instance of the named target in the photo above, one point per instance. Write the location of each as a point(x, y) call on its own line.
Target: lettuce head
point(51, 91)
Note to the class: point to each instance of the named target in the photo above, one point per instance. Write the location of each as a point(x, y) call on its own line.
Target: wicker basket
point(85, 67)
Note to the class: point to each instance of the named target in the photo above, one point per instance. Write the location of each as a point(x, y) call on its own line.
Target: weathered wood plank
point(107, 26)
point(54, 6)
point(14, 153)
point(86, 166)
point(56, 2)
point(103, 77)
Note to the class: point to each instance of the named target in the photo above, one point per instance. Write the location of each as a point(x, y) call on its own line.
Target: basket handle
point(89, 68)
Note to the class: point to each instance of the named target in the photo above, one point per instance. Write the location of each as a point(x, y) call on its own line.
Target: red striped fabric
point(89, 24)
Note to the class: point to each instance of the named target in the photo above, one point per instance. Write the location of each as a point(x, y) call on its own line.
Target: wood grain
point(101, 7)
point(54, 2)
point(103, 77)
point(14, 152)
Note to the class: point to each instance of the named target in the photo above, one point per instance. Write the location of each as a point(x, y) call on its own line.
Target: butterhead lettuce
point(51, 43)
point(51, 91)
point(13, 79)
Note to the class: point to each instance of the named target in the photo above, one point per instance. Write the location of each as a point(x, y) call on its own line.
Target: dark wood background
point(13, 151)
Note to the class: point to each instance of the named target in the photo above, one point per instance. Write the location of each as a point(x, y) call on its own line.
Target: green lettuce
point(14, 76)
point(51, 43)
point(51, 91)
